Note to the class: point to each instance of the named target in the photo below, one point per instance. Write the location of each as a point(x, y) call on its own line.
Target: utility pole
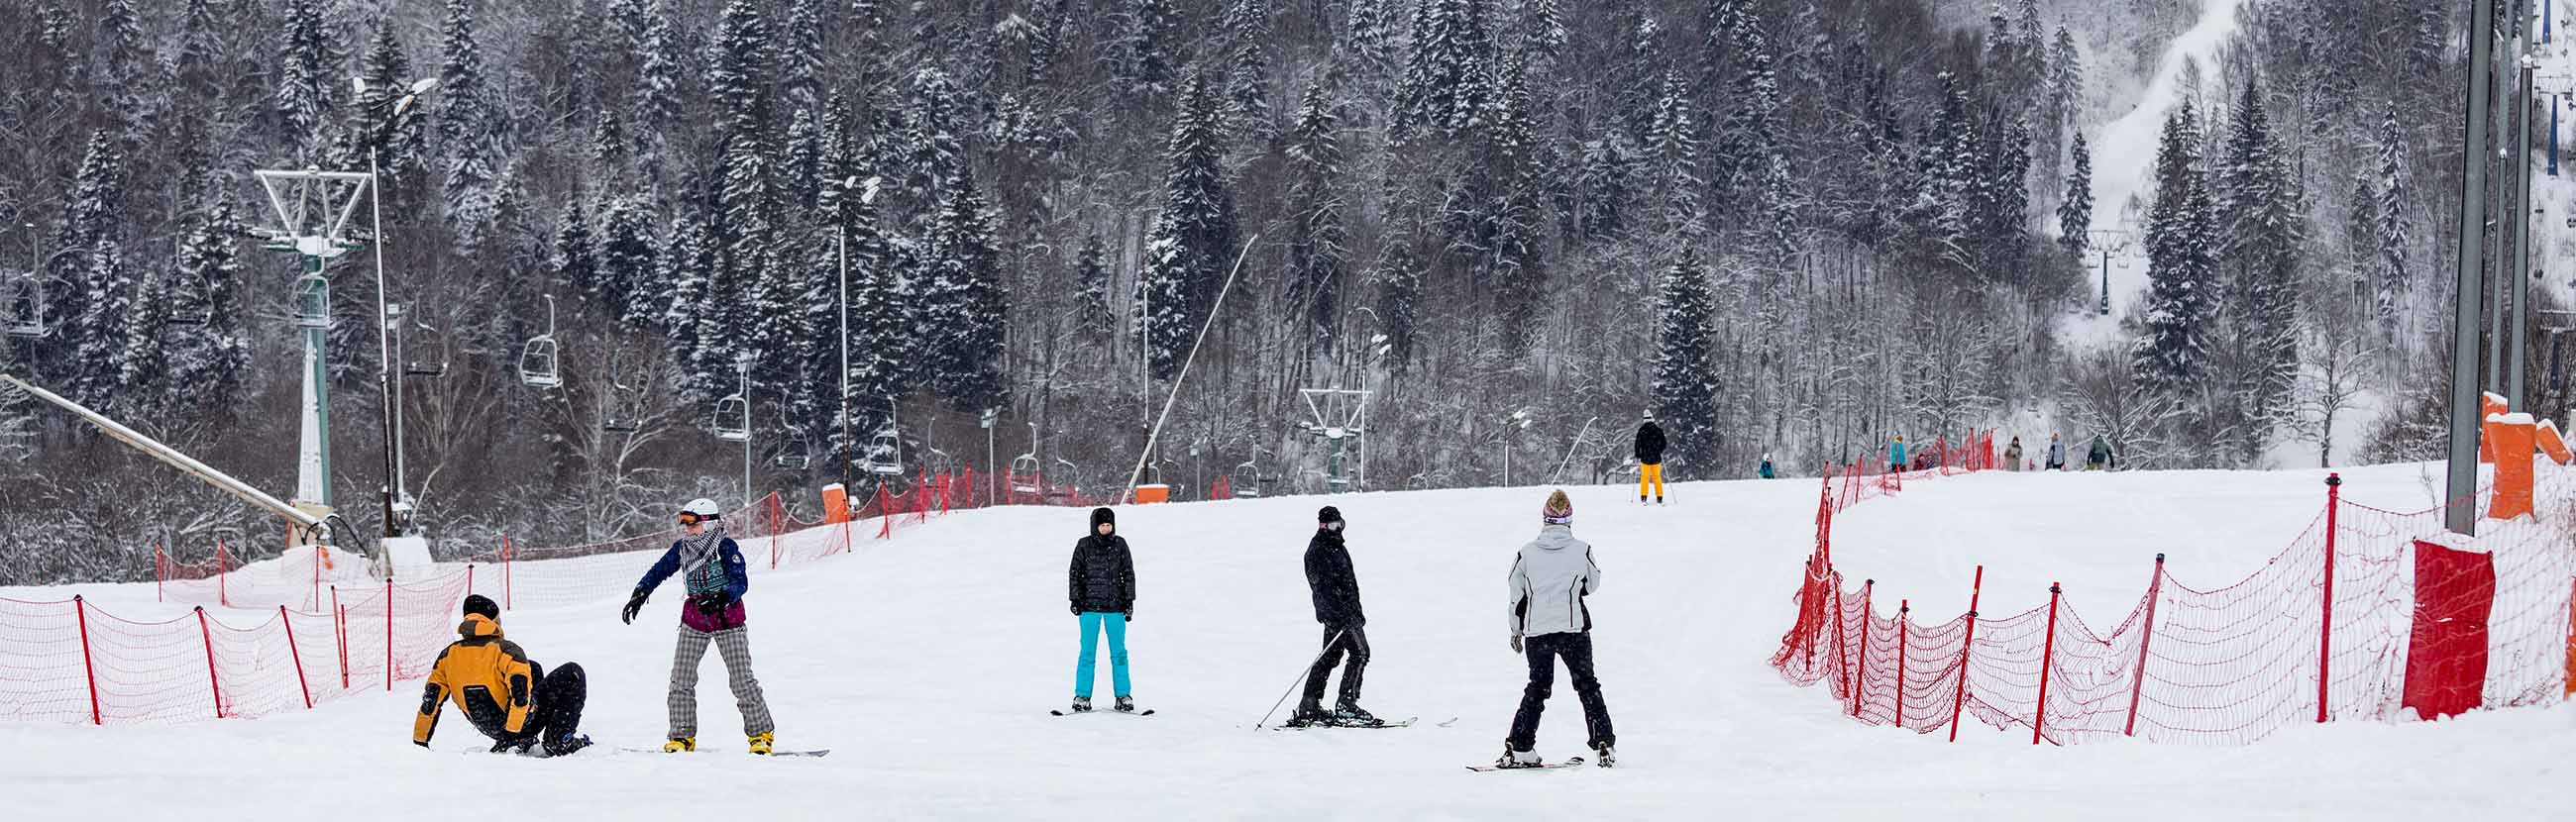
point(841, 251)
point(2520, 282)
point(2462, 477)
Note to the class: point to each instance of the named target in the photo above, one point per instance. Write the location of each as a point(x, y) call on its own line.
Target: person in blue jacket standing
point(711, 565)
point(1102, 586)
point(1896, 456)
point(1766, 471)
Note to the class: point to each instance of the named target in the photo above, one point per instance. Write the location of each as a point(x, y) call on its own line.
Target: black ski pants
point(1543, 652)
point(556, 714)
point(1352, 642)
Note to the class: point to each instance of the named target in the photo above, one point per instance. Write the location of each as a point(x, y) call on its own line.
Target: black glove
point(1129, 614)
point(1516, 643)
point(1077, 610)
point(634, 604)
point(423, 745)
point(711, 604)
point(514, 744)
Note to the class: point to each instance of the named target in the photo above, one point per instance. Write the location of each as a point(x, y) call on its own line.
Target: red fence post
point(1902, 608)
point(1842, 646)
point(2155, 587)
point(1959, 701)
point(160, 572)
point(340, 634)
point(1861, 678)
point(2325, 628)
point(89, 671)
point(214, 685)
point(2047, 655)
point(297, 654)
point(223, 596)
point(777, 513)
point(389, 635)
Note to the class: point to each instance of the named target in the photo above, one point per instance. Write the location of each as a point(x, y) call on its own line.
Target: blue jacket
point(1898, 452)
point(735, 580)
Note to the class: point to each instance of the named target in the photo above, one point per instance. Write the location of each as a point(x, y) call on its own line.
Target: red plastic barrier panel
point(2446, 661)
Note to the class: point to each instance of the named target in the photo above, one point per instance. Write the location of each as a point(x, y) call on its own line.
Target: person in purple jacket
point(711, 565)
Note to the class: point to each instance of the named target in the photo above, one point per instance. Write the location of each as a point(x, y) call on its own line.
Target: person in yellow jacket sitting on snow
point(514, 701)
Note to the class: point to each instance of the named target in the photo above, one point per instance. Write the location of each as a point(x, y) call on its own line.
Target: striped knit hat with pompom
point(1559, 510)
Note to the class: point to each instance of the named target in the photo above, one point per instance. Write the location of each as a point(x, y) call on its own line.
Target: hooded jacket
point(1650, 444)
point(712, 567)
point(1335, 585)
point(489, 678)
point(1549, 581)
point(1103, 576)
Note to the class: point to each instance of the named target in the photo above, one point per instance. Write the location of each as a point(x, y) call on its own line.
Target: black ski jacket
point(1103, 577)
point(1335, 585)
point(1650, 444)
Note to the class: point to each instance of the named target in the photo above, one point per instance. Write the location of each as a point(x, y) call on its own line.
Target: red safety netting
point(2323, 631)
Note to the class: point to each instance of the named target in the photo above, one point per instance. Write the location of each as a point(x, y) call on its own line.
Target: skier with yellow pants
point(1650, 459)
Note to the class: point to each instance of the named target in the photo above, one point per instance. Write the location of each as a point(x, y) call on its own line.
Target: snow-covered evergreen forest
point(1793, 227)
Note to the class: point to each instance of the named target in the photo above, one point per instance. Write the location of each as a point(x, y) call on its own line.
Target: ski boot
point(1082, 704)
point(760, 743)
point(1308, 716)
point(1604, 756)
point(1518, 759)
point(565, 746)
point(1124, 705)
point(1659, 499)
point(680, 744)
point(1352, 716)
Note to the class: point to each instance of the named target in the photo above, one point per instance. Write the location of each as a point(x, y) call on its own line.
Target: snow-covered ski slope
point(929, 663)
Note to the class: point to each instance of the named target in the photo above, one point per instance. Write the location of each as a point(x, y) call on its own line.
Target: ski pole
point(1292, 686)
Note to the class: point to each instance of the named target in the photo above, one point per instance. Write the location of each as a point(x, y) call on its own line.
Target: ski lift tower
point(1341, 421)
point(313, 208)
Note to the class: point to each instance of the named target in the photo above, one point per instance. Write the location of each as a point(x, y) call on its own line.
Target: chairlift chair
point(23, 313)
point(538, 366)
point(729, 424)
point(1245, 481)
point(1024, 474)
point(885, 454)
point(800, 448)
point(625, 410)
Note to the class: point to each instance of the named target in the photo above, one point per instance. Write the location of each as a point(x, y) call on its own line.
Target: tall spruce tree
point(630, 261)
point(2182, 284)
point(309, 80)
point(964, 308)
point(1449, 74)
point(469, 130)
point(1685, 385)
point(1318, 240)
point(2075, 203)
point(1193, 242)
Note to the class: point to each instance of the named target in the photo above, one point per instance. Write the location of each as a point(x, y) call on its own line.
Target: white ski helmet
point(702, 508)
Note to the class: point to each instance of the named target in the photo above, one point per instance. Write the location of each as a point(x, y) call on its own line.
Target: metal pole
point(2106, 281)
point(841, 251)
point(1156, 432)
point(2520, 282)
point(745, 366)
point(392, 488)
point(2462, 479)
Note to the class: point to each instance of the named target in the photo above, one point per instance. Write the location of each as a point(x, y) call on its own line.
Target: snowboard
point(1063, 712)
point(817, 752)
point(1572, 762)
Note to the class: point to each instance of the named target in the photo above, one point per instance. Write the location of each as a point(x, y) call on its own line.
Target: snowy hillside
point(928, 663)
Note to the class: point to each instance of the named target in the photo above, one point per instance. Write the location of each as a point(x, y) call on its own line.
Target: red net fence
point(2367, 615)
point(241, 640)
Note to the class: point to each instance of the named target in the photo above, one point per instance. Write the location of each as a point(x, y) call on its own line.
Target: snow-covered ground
point(928, 663)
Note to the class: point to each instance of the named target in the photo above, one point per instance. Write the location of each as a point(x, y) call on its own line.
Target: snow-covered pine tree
point(2181, 282)
point(575, 257)
point(2262, 227)
point(1449, 73)
point(1946, 170)
point(2395, 223)
point(110, 316)
point(932, 145)
point(1197, 222)
point(657, 79)
point(95, 217)
point(964, 309)
point(1091, 286)
point(630, 264)
point(208, 364)
point(803, 168)
point(801, 51)
point(1247, 80)
point(2075, 203)
point(1510, 211)
point(1318, 240)
point(2361, 235)
point(1398, 280)
point(469, 132)
point(396, 141)
point(309, 78)
point(1542, 29)
point(1685, 385)
point(1673, 179)
point(1370, 32)
point(1601, 186)
point(1140, 64)
point(1162, 299)
point(1749, 139)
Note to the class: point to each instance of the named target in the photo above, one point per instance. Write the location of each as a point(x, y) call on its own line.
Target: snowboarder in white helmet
point(711, 565)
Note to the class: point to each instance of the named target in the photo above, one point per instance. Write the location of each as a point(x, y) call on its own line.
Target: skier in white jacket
point(1549, 581)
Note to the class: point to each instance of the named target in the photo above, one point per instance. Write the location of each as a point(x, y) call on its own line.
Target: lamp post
point(397, 497)
point(2462, 477)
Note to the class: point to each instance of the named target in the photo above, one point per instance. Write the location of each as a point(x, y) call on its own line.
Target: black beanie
point(1329, 514)
point(480, 604)
point(1101, 515)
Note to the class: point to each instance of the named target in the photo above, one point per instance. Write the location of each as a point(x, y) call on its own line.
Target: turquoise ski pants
point(1093, 623)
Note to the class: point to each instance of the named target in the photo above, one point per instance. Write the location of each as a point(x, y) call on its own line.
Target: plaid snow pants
point(735, 646)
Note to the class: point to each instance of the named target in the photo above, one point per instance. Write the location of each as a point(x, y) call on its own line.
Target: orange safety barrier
point(2553, 443)
point(2511, 434)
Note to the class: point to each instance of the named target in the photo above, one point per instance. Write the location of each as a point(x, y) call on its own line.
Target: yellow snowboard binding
point(760, 743)
point(680, 744)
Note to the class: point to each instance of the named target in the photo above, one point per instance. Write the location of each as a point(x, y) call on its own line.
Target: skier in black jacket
point(1650, 458)
point(1102, 585)
point(1337, 605)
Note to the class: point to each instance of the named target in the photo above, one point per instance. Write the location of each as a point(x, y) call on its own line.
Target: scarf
point(701, 560)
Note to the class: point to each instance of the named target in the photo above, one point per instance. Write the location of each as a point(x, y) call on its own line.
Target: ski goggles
point(689, 518)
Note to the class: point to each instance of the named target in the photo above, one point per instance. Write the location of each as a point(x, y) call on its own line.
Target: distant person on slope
point(2099, 457)
point(1549, 621)
point(711, 565)
point(1766, 470)
point(508, 697)
point(1650, 458)
point(1102, 585)
point(2012, 455)
point(2056, 452)
point(1896, 456)
point(1336, 588)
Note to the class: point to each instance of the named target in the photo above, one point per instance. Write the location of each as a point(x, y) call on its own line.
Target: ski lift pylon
point(538, 366)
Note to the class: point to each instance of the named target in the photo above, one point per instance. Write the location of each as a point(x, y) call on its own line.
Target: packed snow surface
point(929, 662)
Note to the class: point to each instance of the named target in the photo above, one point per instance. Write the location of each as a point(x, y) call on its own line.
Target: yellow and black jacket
point(489, 677)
